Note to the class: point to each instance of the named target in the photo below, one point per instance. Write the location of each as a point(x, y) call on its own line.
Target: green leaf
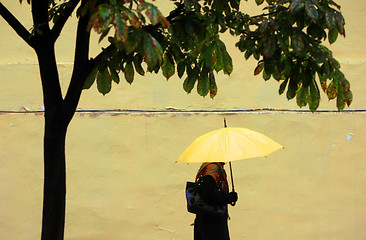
point(248, 53)
point(91, 78)
point(296, 5)
point(283, 86)
point(323, 81)
point(138, 67)
point(311, 10)
point(207, 54)
point(151, 12)
point(330, 18)
point(114, 75)
point(181, 67)
point(314, 98)
point(276, 74)
point(235, 4)
point(259, 2)
point(132, 42)
point(228, 63)
point(341, 103)
point(270, 47)
point(168, 66)
point(266, 75)
point(297, 43)
point(152, 51)
point(104, 34)
point(256, 55)
point(332, 35)
point(316, 31)
point(203, 85)
point(302, 96)
point(104, 82)
point(288, 68)
point(213, 86)
point(121, 29)
point(132, 18)
point(218, 58)
point(129, 72)
point(190, 80)
point(340, 23)
point(292, 87)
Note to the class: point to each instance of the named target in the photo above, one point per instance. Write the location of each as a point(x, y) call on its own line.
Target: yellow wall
point(123, 182)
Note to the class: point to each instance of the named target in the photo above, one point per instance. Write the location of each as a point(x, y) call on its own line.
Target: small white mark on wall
point(349, 136)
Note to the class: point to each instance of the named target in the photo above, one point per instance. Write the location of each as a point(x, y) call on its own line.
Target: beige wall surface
point(122, 179)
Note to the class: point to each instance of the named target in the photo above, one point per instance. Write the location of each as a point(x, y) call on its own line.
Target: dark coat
point(208, 227)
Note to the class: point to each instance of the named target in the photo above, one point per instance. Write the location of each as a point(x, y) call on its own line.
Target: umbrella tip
point(225, 122)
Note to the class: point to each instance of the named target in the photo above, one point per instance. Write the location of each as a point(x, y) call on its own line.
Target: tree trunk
point(54, 181)
point(54, 143)
point(58, 114)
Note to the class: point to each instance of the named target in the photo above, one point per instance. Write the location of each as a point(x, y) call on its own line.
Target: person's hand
point(233, 197)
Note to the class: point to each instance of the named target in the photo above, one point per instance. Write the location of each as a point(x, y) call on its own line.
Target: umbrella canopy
point(229, 144)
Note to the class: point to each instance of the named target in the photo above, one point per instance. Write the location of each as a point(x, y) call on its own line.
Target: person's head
point(219, 163)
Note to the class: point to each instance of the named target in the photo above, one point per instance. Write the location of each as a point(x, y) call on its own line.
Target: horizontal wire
point(255, 110)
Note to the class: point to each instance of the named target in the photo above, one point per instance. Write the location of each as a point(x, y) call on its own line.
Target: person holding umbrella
point(214, 190)
point(213, 150)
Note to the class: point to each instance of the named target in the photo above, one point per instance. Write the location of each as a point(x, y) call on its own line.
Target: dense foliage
point(286, 40)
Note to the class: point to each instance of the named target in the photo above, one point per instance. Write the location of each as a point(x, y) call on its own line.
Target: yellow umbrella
point(229, 144)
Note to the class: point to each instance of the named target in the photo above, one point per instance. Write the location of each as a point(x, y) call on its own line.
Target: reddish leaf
point(152, 52)
point(323, 81)
point(332, 90)
point(259, 68)
point(150, 11)
point(121, 30)
point(153, 13)
point(340, 23)
point(132, 18)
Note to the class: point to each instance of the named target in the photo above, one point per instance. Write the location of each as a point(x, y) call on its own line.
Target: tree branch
point(15, 24)
point(57, 28)
point(40, 16)
point(81, 69)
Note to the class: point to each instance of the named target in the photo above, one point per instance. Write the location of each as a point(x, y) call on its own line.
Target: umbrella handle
point(232, 183)
point(231, 171)
point(232, 179)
